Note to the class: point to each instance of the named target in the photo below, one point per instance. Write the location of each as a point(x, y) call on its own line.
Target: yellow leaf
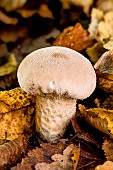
point(99, 118)
point(16, 113)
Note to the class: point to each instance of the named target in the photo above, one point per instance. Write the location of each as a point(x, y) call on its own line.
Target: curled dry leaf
point(104, 70)
point(10, 5)
point(39, 155)
point(108, 165)
point(108, 148)
point(62, 162)
point(16, 113)
point(12, 151)
point(99, 118)
point(74, 37)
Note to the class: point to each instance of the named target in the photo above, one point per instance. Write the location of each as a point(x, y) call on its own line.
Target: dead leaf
point(39, 155)
point(62, 162)
point(108, 165)
point(16, 113)
point(12, 151)
point(99, 118)
point(9, 67)
point(43, 11)
point(104, 71)
point(108, 103)
point(13, 34)
point(75, 156)
point(74, 37)
point(8, 20)
point(95, 51)
point(84, 133)
point(10, 5)
point(108, 148)
point(9, 81)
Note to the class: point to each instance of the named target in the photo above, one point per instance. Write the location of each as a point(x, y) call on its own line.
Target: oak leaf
point(74, 37)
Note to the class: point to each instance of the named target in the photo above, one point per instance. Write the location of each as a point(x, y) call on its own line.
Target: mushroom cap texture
point(58, 70)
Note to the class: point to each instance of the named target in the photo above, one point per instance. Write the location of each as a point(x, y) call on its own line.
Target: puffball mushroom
point(57, 76)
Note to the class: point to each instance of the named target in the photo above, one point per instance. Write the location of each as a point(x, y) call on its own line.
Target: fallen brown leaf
point(84, 134)
point(62, 162)
point(40, 155)
point(12, 151)
point(74, 37)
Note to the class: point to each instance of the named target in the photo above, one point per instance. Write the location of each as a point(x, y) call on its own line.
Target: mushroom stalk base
point(53, 114)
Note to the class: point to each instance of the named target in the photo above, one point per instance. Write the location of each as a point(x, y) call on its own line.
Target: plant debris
point(39, 155)
point(84, 26)
point(12, 151)
point(74, 37)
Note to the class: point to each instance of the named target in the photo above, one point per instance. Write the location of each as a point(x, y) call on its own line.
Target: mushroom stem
point(53, 114)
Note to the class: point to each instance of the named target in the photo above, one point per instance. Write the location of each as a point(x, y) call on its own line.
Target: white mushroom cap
point(57, 69)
